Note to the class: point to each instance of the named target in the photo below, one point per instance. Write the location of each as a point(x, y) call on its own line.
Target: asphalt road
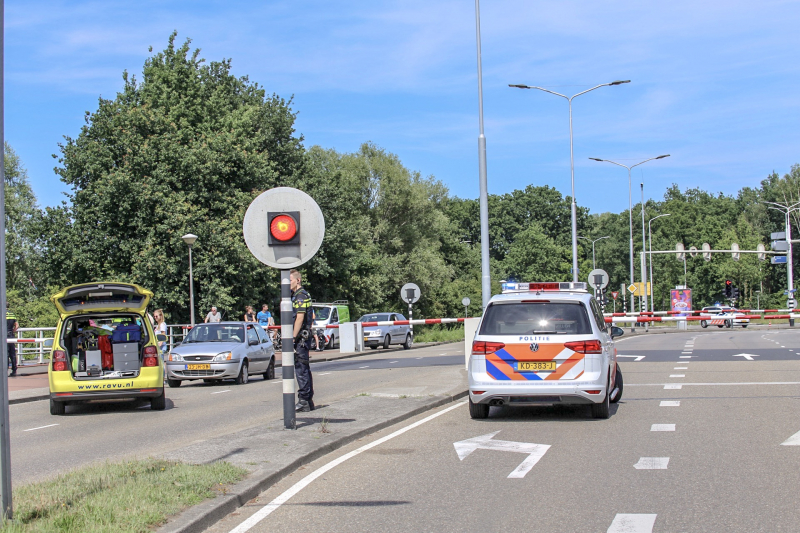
point(43, 445)
point(704, 439)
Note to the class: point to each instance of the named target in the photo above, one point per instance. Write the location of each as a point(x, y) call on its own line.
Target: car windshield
point(216, 333)
point(375, 317)
point(529, 318)
point(322, 313)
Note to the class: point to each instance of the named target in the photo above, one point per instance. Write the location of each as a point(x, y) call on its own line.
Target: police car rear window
point(530, 318)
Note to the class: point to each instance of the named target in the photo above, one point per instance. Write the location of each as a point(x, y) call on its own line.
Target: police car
point(544, 343)
point(723, 316)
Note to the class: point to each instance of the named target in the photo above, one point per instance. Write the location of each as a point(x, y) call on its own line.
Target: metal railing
point(38, 348)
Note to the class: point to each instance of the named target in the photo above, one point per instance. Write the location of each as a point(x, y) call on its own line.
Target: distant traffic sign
point(598, 278)
point(632, 288)
point(614, 294)
point(778, 259)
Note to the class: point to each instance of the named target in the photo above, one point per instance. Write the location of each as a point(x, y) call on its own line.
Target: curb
point(27, 399)
point(200, 517)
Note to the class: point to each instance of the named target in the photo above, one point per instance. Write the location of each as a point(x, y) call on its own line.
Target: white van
point(330, 314)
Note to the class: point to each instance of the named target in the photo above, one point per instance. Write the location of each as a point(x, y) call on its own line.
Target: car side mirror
point(161, 337)
point(252, 342)
point(617, 332)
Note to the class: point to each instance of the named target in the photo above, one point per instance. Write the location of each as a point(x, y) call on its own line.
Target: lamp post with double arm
point(572, 163)
point(650, 235)
point(189, 239)
point(594, 266)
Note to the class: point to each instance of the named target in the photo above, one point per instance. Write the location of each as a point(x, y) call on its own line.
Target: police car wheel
point(618, 384)
point(174, 383)
point(386, 342)
point(478, 410)
point(703, 324)
point(719, 327)
point(57, 408)
point(602, 409)
point(729, 324)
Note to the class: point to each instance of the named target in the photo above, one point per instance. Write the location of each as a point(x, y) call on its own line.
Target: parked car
point(330, 314)
point(104, 347)
point(723, 316)
point(385, 336)
point(222, 350)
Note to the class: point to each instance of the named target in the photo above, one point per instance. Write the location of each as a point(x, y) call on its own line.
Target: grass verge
point(132, 496)
point(437, 333)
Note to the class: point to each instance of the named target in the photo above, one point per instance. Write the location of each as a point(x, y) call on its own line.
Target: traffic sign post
point(465, 302)
point(275, 236)
point(410, 293)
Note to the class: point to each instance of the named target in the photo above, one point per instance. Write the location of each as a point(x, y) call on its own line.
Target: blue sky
point(714, 84)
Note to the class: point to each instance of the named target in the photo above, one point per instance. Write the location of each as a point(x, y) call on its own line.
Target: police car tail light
point(586, 347)
point(484, 347)
point(59, 361)
point(150, 356)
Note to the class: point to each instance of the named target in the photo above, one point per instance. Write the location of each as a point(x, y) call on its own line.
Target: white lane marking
point(364, 366)
point(783, 346)
point(221, 391)
point(535, 451)
point(652, 463)
point(392, 362)
point(632, 523)
point(677, 375)
point(662, 427)
point(794, 440)
point(636, 357)
point(681, 368)
point(324, 373)
point(670, 403)
point(748, 356)
point(686, 352)
point(47, 426)
point(303, 483)
point(686, 356)
point(418, 358)
point(674, 386)
point(678, 386)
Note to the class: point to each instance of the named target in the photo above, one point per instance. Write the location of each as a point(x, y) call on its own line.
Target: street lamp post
point(650, 235)
point(572, 164)
point(643, 305)
point(486, 285)
point(630, 205)
point(189, 239)
point(594, 266)
point(787, 210)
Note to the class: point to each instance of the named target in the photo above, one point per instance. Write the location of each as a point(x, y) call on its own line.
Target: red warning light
point(283, 228)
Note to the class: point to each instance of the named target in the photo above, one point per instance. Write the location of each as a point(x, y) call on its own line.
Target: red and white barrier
point(26, 341)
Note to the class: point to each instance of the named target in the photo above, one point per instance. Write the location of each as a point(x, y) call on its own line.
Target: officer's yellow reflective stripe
point(10, 316)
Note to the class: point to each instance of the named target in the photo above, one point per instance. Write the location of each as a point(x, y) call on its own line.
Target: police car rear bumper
point(584, 392)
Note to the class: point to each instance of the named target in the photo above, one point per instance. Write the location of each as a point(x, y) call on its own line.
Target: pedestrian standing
point(214, 315)
point(264, 318)
point(161, 328)
point(249, 315)
point(301, 320)
point(12, 326)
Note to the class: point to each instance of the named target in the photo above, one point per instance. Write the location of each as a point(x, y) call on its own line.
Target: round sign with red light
point(283, 227)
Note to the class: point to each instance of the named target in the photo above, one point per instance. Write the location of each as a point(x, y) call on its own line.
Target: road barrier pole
point(287, 352)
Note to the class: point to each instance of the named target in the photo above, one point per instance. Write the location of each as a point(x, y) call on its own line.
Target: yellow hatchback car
point(104, 347)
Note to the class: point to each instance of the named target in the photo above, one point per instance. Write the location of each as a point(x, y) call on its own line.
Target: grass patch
point(132, 496)
point(439, 333)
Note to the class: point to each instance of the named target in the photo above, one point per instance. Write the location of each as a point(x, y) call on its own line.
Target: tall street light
point(643, 266)
point(572, 163)
point(189, 239)
point(650, 234)
point(787, 210)
point(486, 286)
point(593, 241)
point(630, 205)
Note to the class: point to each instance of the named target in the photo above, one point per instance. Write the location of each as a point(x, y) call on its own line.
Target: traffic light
point(735, 293)
point(284, 228)
point(728, 288)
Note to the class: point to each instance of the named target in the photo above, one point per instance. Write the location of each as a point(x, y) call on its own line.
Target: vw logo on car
point(534, 347)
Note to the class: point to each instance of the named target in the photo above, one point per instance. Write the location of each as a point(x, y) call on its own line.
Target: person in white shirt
point(214, 315)
point(161, 328)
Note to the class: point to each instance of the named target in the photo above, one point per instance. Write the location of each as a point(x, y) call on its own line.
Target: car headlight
point(175, 357)
point(375, 333)
point(224, 356)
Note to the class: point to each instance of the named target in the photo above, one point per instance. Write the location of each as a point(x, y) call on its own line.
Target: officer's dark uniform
point(301, 303)
point(11, 321)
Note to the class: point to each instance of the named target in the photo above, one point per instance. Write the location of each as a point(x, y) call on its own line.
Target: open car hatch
point(101, 297)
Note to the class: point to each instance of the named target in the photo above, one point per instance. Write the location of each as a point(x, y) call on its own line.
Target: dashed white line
point(652, 463)
point(364, 366)
point(686, 356)
point(677, 375)
point(681, 368)
point(324, 373)
point(670, 403)
point(662, 427)
point(392, 362)
point(633, 523)
point(221, 391)
point(47, 426)
point(673, 386)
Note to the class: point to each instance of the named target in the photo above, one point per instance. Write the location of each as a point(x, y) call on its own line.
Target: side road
point(31, 385)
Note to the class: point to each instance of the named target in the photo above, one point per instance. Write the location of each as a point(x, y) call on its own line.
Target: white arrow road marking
point(652, 463)
point(534, 451)
point(636, 357)
point(748, 356)
point(42, 427)
point(633, 523)
point(794, 440)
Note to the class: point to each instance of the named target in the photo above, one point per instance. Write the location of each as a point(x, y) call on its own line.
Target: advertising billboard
point(681, 300)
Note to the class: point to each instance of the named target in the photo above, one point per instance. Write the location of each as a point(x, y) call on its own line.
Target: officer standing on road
point(12, 326)
point(301, 318)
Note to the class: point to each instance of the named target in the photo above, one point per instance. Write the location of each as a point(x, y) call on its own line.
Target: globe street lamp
point(189, 239)
point(572, 164)
point(630, 205)
point(650, 235)
point(593, 241)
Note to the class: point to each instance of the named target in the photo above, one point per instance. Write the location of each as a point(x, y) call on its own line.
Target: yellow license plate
point(536, 366)
point(198, 367)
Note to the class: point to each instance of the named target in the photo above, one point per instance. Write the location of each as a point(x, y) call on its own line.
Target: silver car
point(375, 336)
point(223, 350)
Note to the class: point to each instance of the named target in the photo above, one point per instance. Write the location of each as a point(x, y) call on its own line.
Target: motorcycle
point(318, 333)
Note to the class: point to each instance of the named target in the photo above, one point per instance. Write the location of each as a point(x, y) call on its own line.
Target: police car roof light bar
point(545, 286)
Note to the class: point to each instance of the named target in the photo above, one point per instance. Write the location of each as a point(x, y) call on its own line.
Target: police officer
point(301, 318)
point(11, 330)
